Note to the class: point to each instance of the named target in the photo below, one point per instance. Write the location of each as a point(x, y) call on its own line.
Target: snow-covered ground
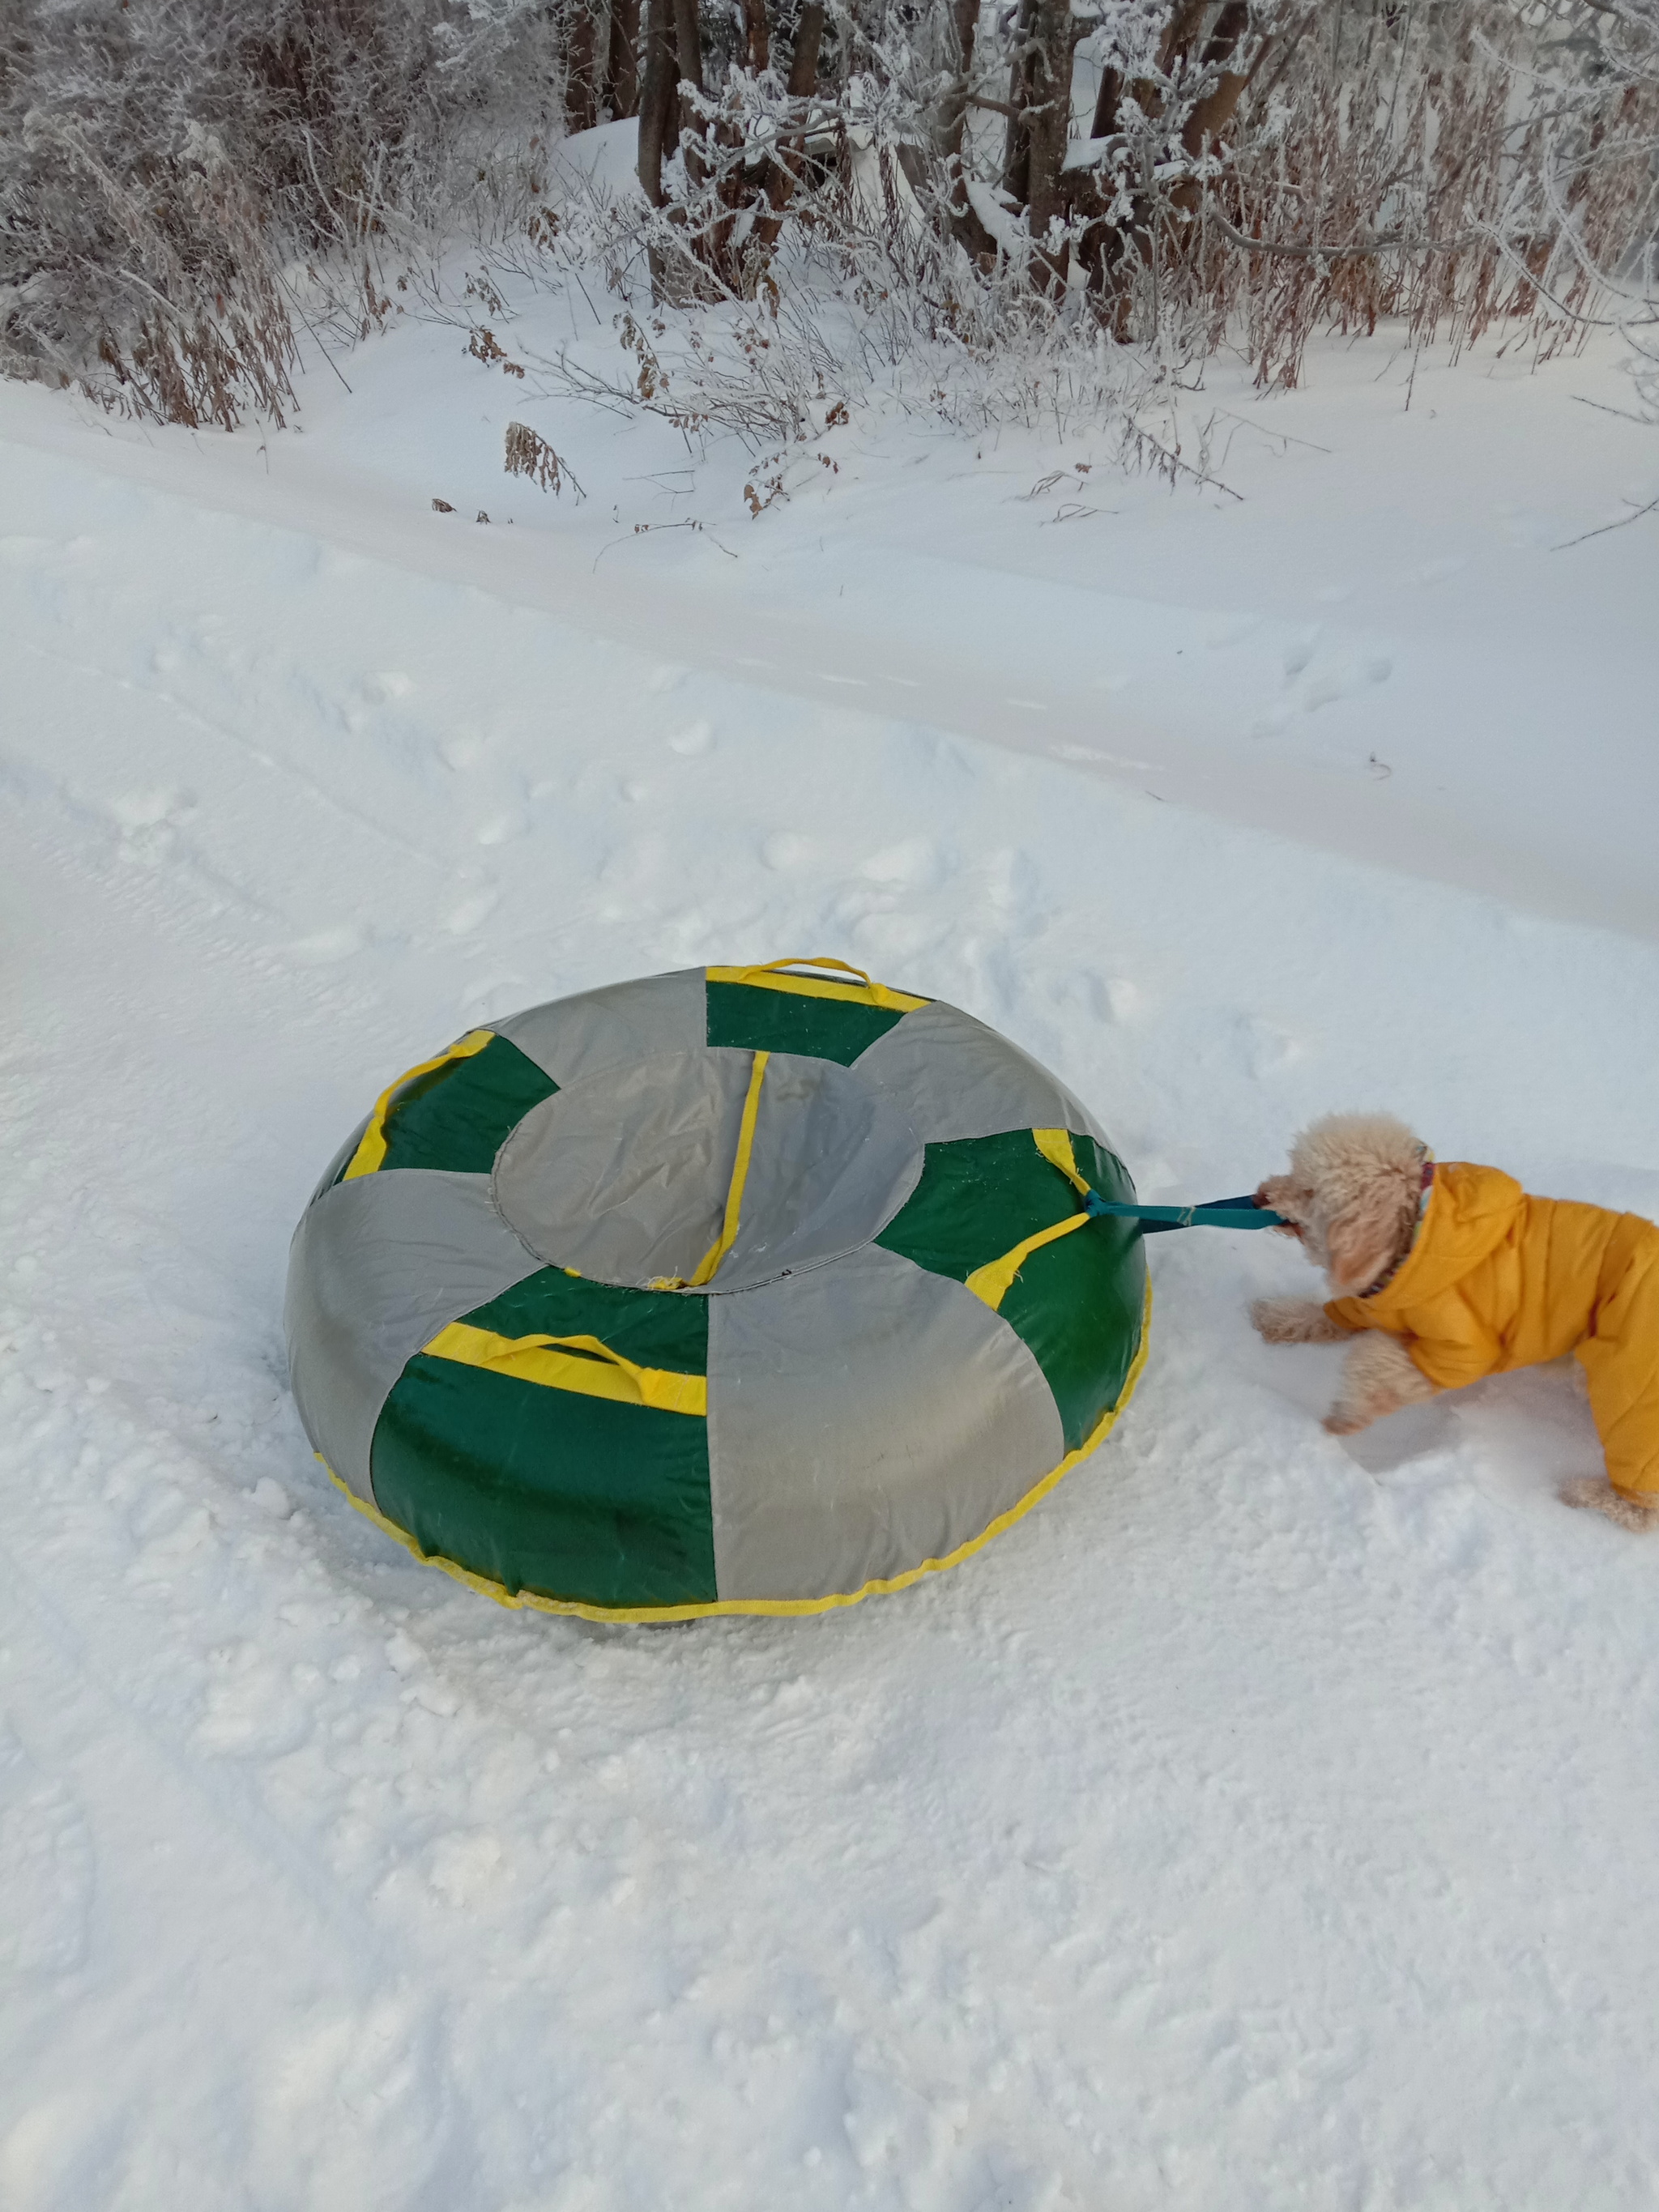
point(1263, 1821)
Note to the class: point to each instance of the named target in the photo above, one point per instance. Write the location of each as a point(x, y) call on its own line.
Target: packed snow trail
point(1251, 1825)
point(1420, 639)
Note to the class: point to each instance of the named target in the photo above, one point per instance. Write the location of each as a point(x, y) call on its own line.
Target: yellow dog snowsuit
point(1496, 1279)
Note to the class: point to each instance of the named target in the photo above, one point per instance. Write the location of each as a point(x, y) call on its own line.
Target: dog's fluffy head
point(1351, 1195)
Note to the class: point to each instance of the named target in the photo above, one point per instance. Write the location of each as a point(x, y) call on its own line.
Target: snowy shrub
point(183, 182)
point(965, 204)
point(863, 307)
point(1192, 171)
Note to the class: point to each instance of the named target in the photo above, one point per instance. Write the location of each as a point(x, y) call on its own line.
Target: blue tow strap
point(1216, 1213)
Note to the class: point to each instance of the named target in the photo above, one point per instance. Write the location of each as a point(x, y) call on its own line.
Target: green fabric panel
point(1077, 1305)
point(459, 1116)
point(547, 1491)
point(757, 1020)
point(977, 1198)
point(1076, 1302)
point(653, 1328)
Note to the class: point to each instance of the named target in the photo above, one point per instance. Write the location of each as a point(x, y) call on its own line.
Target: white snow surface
point(1251, 1825)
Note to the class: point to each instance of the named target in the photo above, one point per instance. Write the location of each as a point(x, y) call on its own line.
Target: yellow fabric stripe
point(371, 1150)
point(993, 1282)
point(1055, 1146)
point(543, 1360)
point(775, 1607)
point(723, 1243)
point(864, 994)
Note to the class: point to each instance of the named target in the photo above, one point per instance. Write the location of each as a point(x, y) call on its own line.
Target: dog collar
point(1425, 1185)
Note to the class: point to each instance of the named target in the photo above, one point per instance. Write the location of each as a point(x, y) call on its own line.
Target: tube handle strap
point(1219, 1213)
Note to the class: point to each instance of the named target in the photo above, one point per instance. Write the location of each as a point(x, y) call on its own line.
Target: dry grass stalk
point(530, 455)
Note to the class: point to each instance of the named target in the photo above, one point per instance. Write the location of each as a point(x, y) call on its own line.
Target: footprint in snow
point(1344, 679)
point(784, 850)
point(325, 947)
point(467, 914)
point(916, 863)
point(696, 738)
point(1108, 998)
point(390, 684)
point(1298, 653)
point(47, 1867)
point(462, 751)
point(1265, 1048)
point(148, 822)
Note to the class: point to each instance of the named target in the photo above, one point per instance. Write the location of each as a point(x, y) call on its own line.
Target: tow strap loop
point(1216, 1213)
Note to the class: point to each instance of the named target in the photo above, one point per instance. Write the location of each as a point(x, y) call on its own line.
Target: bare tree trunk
point(658, 102)
point(688, 36)
point(758, 35)
point(1048, 125)
point(804, 60)
point(948, 130)
point(1211, 115)
point(1103, 246)
point(803, 82)
point(1186, 21)
point(582, 90)
point(1017, 149)
point(1106, 104)
point(622, 68)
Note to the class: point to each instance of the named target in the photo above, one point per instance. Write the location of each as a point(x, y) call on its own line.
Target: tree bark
point(1106, 104)
point(581, 91)
point(787, 161)
point(1211, 115)
point(688, 33)
point(622, 73)
point(659, 103)
point(1017, 146)
point(758, 33)
point(1049, 124)
point(965, 226)
point(804, 60)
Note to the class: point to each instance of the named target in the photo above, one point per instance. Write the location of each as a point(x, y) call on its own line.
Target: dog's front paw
point(1593, 1493)
point(1294, 1321)
point(1344, 1421)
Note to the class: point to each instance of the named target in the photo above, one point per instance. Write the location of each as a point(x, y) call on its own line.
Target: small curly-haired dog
point(1450, 1272)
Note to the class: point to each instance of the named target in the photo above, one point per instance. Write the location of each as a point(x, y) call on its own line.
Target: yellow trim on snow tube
point(709, 1264)
point(1055, 1146)
point(372, 1147)
point(544, 1360)
point(527, 1601)
point(865, 992)
point(993, 1281)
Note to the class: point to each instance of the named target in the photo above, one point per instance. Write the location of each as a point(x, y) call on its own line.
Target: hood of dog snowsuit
point(1496, 1279)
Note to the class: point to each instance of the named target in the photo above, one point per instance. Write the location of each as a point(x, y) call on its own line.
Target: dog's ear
point(1366, 1236)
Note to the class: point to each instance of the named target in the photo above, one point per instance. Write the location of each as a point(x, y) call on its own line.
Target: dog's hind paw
point(1592, 1493)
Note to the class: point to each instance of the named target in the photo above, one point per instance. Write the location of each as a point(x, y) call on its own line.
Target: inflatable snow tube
point(739, 1289)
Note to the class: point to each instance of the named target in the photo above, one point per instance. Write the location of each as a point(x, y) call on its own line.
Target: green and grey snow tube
point(739, 1289)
